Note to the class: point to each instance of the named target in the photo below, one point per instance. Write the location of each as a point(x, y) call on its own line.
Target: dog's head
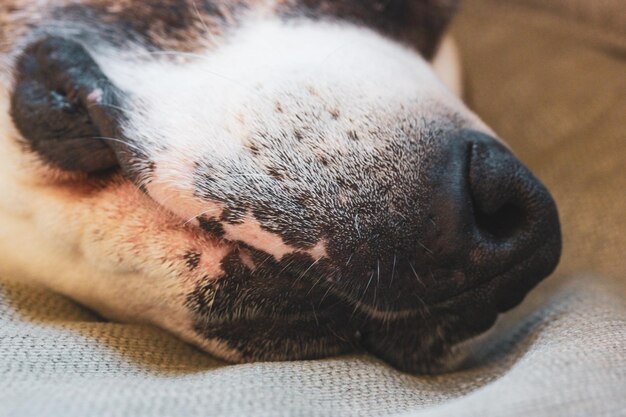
point(292, 176)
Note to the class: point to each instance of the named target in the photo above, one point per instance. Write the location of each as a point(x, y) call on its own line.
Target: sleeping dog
point(266, 179)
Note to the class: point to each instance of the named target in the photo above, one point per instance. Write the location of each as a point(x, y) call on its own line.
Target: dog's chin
point(306, 323)
point(439, 337)
point(266, 313)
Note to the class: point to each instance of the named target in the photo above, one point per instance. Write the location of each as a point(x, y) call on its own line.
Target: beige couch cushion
point(556, 91)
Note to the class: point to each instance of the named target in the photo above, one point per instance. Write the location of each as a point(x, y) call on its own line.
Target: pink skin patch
point(318, 251)
point(176, 194)
point(95, 97)
point(252, 234)
point(246, 259)
point(172, 189)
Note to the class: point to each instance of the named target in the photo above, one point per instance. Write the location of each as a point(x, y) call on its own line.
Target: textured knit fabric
point(555, 89)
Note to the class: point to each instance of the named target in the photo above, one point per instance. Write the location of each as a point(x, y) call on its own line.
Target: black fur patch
point(211, 226)
point(192, 259)
point(269, 313)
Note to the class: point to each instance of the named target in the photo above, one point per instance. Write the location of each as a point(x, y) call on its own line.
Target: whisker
point(326, 294)
point(286, 266)
point(360, 301)
point(350, 258)
point(112, 106)
point(179, 54)
point(305, 272)
point(206, 27)
point(130, 145)
point(321, 277)
point(377, 279)
point(202, 214)
point(416, 276)
point(430, 252)
point(267, 258)
point(315, 315)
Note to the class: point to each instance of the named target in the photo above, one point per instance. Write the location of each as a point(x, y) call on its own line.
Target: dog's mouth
point(271, 300)
point(498, 293)
point(295, 299)
point(254, 297)
point(425, 339)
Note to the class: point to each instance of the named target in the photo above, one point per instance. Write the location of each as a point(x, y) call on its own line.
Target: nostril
point(505, 198)
point(505, 222)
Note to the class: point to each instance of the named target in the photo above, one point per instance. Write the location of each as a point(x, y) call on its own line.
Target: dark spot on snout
point(334, 113)
point(254, 150)
point(211, 226)
point(192, 259)
point(275, 173)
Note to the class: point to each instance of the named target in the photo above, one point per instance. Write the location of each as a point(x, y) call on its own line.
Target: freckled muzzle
point(481, 219)
point(410, 285)
point(483, 232)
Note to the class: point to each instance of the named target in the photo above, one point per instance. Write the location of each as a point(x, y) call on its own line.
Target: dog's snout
point(496, 216)
point(480, 216)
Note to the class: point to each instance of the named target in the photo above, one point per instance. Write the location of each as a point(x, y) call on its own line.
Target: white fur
point(211, 104)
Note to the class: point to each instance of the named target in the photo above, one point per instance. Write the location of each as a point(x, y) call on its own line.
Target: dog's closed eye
point(65, 107)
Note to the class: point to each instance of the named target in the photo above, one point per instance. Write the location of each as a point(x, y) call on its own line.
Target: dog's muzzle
point(484, 233)
point(480, 215)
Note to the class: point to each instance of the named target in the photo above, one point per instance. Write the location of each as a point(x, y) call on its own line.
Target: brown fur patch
point(186, 25)
point(14, 22)
point(180, 25)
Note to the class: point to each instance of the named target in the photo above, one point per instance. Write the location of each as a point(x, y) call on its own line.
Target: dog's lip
point(376, 312)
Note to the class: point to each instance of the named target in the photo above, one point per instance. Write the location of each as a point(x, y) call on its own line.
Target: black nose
point(480, 215)
point(501, 214)
point(494, 218)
